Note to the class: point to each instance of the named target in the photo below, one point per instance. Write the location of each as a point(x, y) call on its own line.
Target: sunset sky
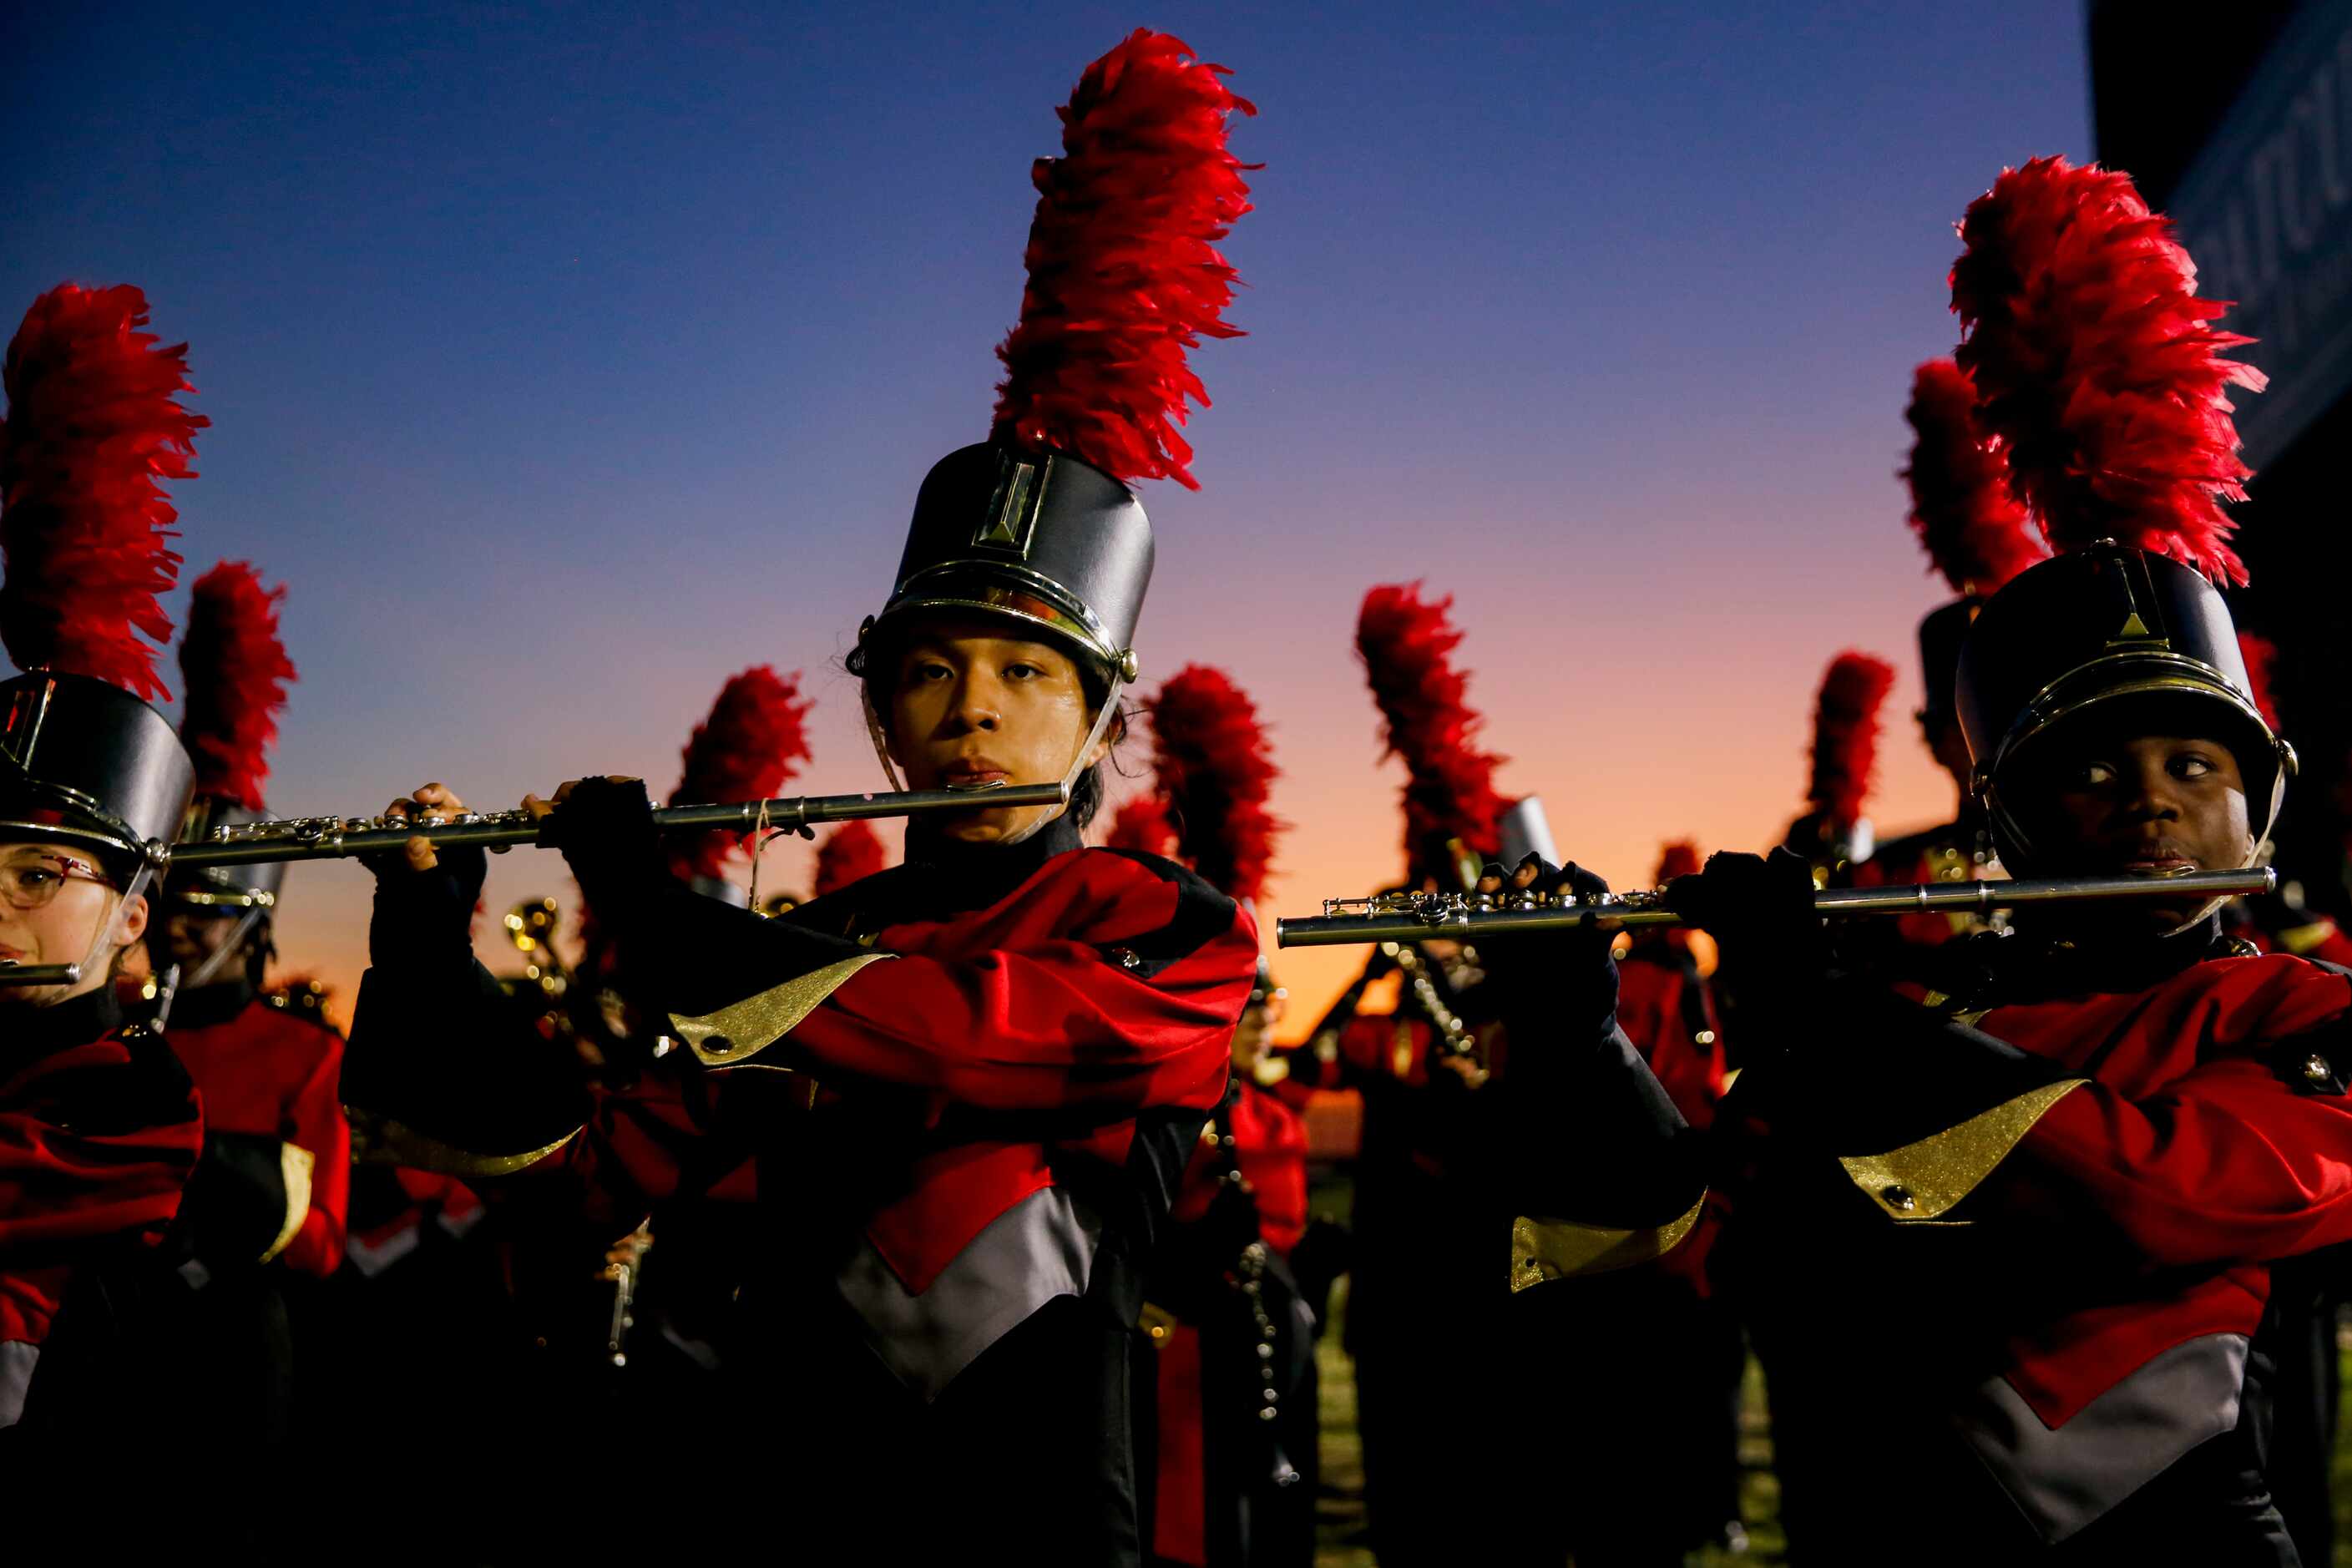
point(568, 360)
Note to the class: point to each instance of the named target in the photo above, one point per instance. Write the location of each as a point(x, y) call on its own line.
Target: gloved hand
point(1759, 909)
point(606, 829)
point(1550, 983)
point(425, 897)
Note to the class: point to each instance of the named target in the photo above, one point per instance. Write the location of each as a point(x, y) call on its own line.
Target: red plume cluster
point(753, 741)
point(2096, 368)
point(235, 672)
point(850, 853)
point(1973, 529)
point(1679, 858)
point(1407, 643)
point(2261, 655)
point(1142, 826)
point(93, 427)
point(1215, 772)
point(1845, 734)
point(1123, 273)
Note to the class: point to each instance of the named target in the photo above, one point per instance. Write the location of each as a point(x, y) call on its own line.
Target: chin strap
point(99, 938)
point(217, 958)
point(874, 733)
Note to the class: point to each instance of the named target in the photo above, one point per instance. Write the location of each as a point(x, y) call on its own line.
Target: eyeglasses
point(31, 881)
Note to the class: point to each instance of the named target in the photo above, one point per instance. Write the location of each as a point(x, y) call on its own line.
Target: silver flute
point(334, 837)
point(331, 838)
point(1470, 917)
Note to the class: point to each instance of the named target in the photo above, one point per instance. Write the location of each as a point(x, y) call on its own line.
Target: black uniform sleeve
point(442, 1070)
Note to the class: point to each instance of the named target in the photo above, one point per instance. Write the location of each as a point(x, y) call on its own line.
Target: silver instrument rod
point(1417, 917)
point(328, 837)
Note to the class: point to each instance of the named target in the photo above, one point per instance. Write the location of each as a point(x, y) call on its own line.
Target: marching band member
point(1016, 1040)
point(2014, 1234)
point(1235, 1433)
point(1978, 536)
point(1425, 1292)
point(101, 1133)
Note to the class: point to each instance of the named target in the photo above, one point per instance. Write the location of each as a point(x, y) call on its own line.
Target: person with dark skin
point(2062, 1168)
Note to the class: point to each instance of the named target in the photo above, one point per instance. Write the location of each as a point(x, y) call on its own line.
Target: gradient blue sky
point(566, 359)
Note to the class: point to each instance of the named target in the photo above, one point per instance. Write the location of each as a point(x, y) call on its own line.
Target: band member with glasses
point(101, 1133)
point(1015, 1040)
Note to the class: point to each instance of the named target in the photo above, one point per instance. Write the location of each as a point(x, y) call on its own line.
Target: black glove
point(1553, 982)
point(1759, 909)
point(606, 829)
point(425, 919)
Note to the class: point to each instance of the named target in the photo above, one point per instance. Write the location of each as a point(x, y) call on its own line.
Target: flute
point(1458, 917)
point(332, 837)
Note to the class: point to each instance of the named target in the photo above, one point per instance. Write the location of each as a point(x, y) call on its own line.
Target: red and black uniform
point(2019, 1266)
point(99, 1132)
point(1016, 1047)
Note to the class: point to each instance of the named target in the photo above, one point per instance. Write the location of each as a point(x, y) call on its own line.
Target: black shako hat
point(1037, 524)
point(83, 761)
point(2084, 633)
point(1040, 537)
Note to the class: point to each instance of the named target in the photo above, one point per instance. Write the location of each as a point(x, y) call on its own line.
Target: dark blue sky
point(567, 358)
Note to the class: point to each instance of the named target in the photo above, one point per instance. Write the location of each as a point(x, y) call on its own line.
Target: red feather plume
point(235, 672)
point(1123, 273)
point(93, 427)
point(1973, 529)
point(1407, 645)
point(1845, 734)
point(850, 853)
point(754, 740)
point(1216, 773)
point(2097, 366)
point(1679, 858)
point(1142, 826)
point(2261, 655)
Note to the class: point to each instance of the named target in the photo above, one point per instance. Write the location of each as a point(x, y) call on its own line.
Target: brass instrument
point(1458, 917)
point(333, 838)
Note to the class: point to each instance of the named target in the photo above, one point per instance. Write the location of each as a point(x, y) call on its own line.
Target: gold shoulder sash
point(1923, 1181)
point(1546, 1249)
point(381, 1140)
point(741, 1030)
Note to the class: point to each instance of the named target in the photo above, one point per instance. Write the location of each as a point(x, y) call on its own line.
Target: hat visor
point(32, 822)
point(1032, 603)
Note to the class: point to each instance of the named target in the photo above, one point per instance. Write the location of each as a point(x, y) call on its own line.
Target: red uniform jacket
point(971, 1037)
point(2184, 1147)
point(1104, 984)
point(98, 1136)
point(272, 1075)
